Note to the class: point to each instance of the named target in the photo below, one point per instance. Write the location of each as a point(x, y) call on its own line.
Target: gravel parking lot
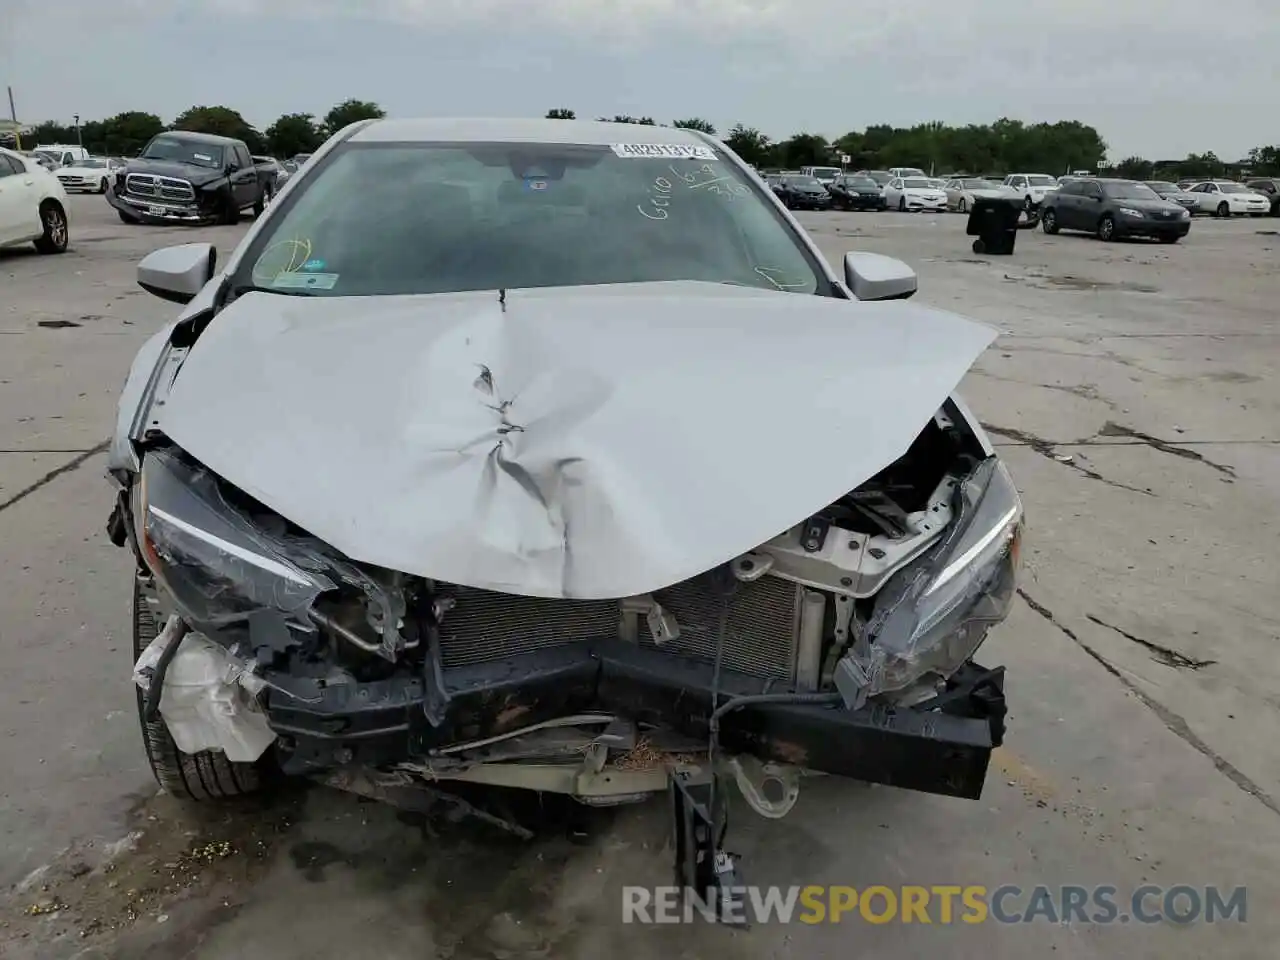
point(1133, 392)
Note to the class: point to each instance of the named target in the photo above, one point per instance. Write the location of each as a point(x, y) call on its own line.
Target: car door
point(19, 211)
point(893, 191)
point(244, 179)
point(1088, 206)
point(1065, 204)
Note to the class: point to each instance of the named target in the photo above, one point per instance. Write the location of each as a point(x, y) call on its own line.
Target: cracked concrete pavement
point(1132, 392)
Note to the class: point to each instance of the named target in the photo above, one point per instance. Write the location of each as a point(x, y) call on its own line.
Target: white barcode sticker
point(663, 151)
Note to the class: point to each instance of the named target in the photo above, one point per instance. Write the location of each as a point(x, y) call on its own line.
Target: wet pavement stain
point(192, 861)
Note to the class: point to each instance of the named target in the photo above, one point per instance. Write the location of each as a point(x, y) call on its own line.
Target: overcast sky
point(1158, 78)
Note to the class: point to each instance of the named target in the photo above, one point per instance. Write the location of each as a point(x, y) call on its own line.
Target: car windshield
point(1160, 186)
point(422, 218)
point(1233, 188)
point(977, 185)
point(184, 151)
point(803, 181)
point(917, 183)
point(826, 171)
point(880, 176)
point(861, 183)
point(1129, 190)
point(92, 164)
point(1038, 180)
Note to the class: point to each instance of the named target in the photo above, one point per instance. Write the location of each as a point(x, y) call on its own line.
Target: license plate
point(157, 211)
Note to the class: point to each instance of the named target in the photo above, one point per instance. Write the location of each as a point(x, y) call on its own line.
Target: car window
point(433, 218)
point(1091, 190)
point(1129, 190)
point(9, 167)
point(1070, 189)
point(182, 150)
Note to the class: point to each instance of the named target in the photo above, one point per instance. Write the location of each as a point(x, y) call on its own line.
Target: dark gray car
point(1114, 209)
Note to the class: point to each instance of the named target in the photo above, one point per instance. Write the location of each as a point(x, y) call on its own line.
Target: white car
point(1222, 198)
point(906, 172)
point(33, 205)
point(88, 176)
point(914, 193)
point(962, 191)
point(1032, 187)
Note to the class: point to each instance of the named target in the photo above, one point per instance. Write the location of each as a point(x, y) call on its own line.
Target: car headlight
point(1131, 212)
point(217, 565)
point(1185, 214)
point(933, 615)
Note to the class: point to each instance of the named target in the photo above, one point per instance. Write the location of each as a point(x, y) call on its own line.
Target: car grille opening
point(159, 188)
point(760, 640)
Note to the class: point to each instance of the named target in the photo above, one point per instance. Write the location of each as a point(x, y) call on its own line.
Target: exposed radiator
point(763, 624)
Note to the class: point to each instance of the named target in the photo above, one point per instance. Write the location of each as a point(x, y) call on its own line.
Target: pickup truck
point(185, 177)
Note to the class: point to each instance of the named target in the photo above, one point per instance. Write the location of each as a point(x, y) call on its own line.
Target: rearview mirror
point(872, 276)
point(178, 273)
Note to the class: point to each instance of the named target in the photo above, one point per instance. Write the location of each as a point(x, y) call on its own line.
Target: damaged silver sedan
point(553, 456)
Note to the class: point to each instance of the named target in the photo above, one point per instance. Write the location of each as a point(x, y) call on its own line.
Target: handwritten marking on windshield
point(705, 177)
point(659, 200)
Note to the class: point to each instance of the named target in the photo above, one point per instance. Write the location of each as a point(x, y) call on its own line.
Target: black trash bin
point(995, 223)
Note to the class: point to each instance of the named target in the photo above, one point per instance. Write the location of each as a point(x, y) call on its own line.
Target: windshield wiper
point(255, 288)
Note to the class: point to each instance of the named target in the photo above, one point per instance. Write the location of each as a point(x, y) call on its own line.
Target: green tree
point(695, 123)
point(49, 132)
point(351, 111)
point(561, 113)
point(123, 135)
point(622, 118)
point(804, 150)
point(750, 144)
point(1265, 161)
point(1134, 168)
point(222, 121)
point(293, 133)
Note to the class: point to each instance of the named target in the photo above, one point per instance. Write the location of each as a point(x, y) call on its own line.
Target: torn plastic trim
point(934, 614)
point(208, 698)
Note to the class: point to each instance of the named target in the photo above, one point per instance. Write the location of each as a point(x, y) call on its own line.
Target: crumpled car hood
point(590, 442)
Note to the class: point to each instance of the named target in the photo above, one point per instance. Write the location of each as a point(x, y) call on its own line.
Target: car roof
point(196, 137)
point(520, 130)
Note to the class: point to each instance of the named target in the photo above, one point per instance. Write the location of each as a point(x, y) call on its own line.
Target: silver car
point(555, 456)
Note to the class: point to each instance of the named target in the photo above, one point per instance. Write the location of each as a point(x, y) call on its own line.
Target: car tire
point(1107, 227)
point(1049, 221)
point(902, 204)
point(1028, 203)
point(230, 212)
point(56, 233)
point(102, 185)
point(979, 246)
point(207, 775)
point(125, 218)
point(962, 206)
point(1224, 210)
point(1170, 239)
point(263, 199)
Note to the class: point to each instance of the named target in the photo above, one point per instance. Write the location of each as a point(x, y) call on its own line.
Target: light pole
point(79, 138)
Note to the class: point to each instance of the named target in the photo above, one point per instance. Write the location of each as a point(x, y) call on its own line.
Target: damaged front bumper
point(148, 210)
point(939, 746)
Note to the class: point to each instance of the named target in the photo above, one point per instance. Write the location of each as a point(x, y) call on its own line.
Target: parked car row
point(33, 204)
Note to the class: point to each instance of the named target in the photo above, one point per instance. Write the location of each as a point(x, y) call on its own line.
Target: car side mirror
point(178, 273)
point(872, 276)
